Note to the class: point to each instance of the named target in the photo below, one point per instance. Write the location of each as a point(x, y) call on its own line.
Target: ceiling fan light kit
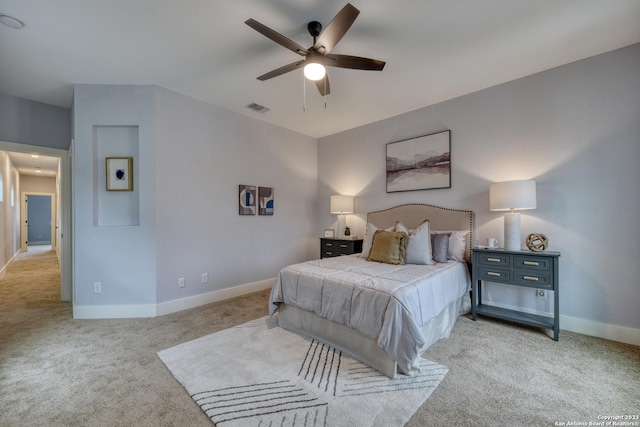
point(318, 56)
point(314, 71)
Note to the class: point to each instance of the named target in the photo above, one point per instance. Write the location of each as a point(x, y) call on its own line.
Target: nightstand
point(537, 270)
point(338, 247)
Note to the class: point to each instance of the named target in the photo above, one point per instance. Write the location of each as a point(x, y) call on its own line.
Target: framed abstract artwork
point(119, 173)
point(265, 201)
point(247, 199)
point(422, 163)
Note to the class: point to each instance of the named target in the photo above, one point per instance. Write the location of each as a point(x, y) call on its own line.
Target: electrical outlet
point(205, 277)
point(97, 287)
point(541, 294)
point(181, 282)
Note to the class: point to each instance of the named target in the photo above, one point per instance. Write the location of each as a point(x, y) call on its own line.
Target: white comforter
point(390, 303)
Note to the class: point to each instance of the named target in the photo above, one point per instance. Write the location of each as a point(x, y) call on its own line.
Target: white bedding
point(389, 303)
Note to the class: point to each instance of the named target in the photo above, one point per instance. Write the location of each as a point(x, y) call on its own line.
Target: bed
point(385, 315)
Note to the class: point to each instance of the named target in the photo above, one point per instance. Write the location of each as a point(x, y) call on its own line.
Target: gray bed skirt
point(360, 346)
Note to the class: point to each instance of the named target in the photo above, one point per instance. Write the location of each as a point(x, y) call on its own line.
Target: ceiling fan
point(318, 56)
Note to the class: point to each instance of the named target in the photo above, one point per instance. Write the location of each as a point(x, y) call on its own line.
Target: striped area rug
point(256, 375)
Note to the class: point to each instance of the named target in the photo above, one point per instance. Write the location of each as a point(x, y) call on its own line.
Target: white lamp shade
point(512, 195)
point(341, 204)
point(314, 71)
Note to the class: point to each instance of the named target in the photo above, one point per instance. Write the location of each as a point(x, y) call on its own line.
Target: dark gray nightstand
point(537, 270)
point(338, 247)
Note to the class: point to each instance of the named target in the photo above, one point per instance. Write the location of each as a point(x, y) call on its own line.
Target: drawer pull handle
point(531, 263)
point(534, 279)
point(493, 259)
point(329, 244)
point(343, 246)
point(491, 273)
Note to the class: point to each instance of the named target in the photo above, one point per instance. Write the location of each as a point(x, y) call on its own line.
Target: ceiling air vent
point(257, 107)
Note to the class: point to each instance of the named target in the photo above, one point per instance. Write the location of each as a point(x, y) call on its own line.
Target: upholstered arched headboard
point(440, 219)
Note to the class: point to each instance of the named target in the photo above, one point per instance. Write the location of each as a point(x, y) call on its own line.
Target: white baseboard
point(113, 311)
point(215, 296)
point(4, 269)
point(153, 310)
point(601, 330)
point(587, 327)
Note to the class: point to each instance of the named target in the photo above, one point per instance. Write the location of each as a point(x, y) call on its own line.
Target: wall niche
point(115, 208)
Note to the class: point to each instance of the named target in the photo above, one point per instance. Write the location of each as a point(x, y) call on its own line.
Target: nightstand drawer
point(492, 274)
point(329, 244)
point(499, 260)
point(532, 279)
point(345, 247)
point(328, 248)
point(532, 263)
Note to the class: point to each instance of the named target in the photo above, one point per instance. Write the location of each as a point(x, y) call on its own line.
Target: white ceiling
point(435, 50)
point(28, 164)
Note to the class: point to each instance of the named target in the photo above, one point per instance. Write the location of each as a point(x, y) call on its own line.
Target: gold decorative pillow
point(388, 247)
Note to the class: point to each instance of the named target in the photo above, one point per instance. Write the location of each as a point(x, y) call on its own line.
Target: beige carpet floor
point(56, 371)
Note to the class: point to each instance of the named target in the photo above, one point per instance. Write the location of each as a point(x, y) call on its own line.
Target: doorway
point(39, 222)
point(62, 233)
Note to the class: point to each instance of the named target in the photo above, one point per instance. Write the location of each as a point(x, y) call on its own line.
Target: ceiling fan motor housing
point(315, 28)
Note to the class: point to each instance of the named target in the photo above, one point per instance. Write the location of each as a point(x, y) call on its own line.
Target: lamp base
point(512, 231)
point(342, 223)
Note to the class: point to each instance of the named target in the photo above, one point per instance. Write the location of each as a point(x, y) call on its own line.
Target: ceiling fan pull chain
point(325, 93)
point(304, 95)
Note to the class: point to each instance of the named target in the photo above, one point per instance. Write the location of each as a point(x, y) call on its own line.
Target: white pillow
point(457, 244)
point(368, 239)
point(419, 247)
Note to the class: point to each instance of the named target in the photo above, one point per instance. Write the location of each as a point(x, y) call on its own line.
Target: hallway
point(31, 280)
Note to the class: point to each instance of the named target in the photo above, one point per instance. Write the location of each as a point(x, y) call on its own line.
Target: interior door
point(38, 216)
point(39, 220)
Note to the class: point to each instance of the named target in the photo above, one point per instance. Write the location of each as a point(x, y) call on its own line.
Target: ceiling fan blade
point(282, 70)
point(276, 37)
point(324, 89)
point(336, 29)
point(354, 62)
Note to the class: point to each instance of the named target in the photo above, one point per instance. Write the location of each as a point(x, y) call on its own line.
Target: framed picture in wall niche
point(422, 163)
point(119, 173)
point(265, 201)
point(247, 199)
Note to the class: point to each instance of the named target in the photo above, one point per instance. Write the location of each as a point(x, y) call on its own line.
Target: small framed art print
point(119, 173)
point(329, 233)
point(265, 201)
point(247, 199)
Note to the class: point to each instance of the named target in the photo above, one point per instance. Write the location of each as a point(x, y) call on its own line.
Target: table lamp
point(511, 196)
point(341, 205)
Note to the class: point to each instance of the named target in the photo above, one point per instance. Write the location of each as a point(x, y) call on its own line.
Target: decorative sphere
point(537, 242)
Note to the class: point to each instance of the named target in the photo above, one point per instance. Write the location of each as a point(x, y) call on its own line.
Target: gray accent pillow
point(419, 246)
point(440, 246)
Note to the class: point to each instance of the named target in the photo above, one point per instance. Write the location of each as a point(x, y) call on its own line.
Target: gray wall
point(9, 212)
point(34, 123)
point(191, 158)
point(121, 258)
point(575, 130)
point(203, 153)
